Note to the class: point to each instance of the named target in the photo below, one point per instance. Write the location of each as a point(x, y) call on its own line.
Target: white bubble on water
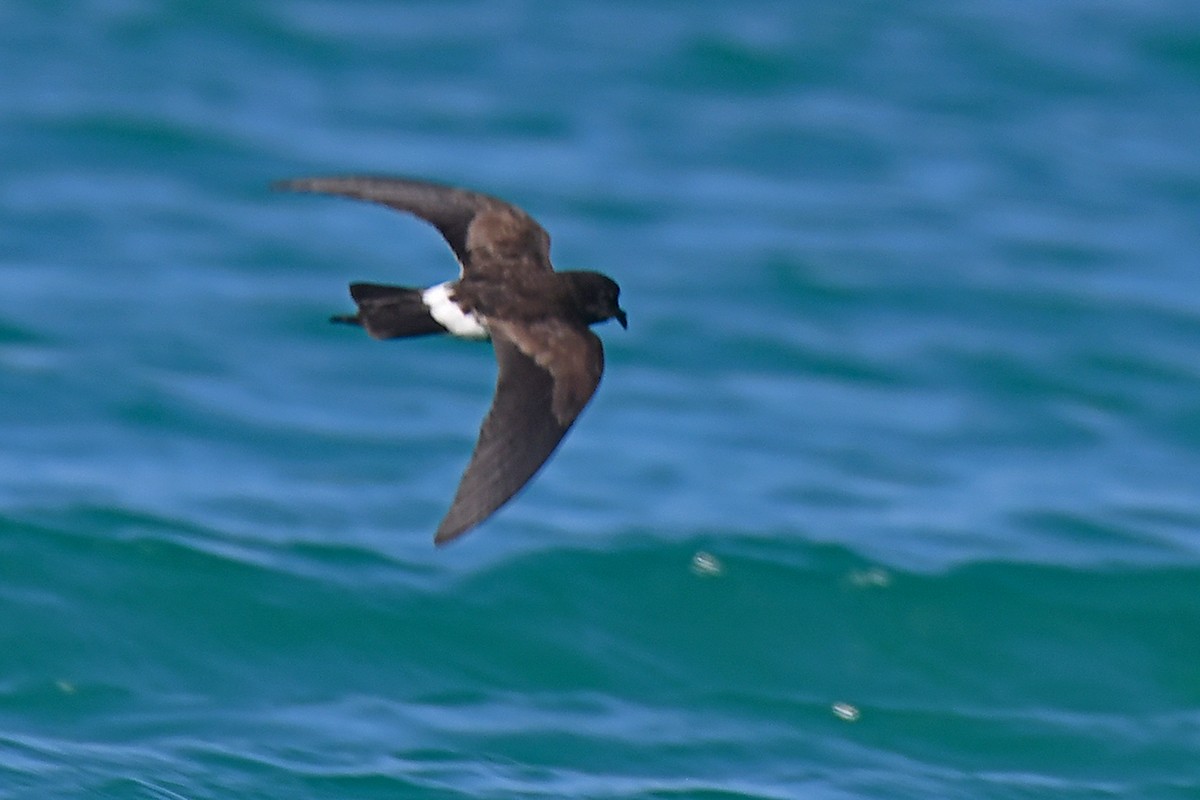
point(706, 565)
point(875, 577)
point(846, 711)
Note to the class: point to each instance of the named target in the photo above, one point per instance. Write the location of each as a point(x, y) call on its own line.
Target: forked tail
point(390, 312)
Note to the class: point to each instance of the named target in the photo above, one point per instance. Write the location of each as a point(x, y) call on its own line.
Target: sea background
point(890, 489)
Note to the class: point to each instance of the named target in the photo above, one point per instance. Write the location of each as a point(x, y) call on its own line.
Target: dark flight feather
point(518, 435)
point(483, 231)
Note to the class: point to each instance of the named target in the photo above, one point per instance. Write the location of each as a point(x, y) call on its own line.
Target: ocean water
point(890, 489)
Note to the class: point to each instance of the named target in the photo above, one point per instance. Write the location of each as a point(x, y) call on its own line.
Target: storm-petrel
point(549, 361)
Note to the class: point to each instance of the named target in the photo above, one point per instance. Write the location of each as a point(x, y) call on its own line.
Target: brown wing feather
point(530, 414)
point(479, 228)
point(572, 354)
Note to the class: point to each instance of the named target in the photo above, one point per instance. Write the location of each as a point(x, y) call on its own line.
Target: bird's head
point(598, 297)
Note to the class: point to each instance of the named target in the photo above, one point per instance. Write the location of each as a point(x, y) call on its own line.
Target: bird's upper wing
point(548, 372)
point(487, 235)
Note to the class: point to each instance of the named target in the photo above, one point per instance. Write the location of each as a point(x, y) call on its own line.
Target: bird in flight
point(549, 360)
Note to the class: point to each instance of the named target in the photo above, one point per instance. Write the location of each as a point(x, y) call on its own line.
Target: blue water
point(890, 490)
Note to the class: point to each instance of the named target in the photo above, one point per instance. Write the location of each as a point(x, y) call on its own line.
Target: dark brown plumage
point(550, 362)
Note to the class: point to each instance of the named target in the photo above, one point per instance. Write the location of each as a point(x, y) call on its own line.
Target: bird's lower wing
point(522, 428)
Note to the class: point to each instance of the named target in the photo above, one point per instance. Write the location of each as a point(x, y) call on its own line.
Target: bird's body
point(538, 320)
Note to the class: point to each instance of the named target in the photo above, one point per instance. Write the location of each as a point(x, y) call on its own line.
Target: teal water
point(890, 490)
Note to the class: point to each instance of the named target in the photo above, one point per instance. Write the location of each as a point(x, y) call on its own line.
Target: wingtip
point(451, 528)
point(288, 185)
point(332, 183)
point(445, 537)
point(311, 183)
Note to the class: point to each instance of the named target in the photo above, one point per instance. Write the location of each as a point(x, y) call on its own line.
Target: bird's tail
point(390, 312)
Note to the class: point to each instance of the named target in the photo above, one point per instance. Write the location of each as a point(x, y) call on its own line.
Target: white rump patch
point(450, 316)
